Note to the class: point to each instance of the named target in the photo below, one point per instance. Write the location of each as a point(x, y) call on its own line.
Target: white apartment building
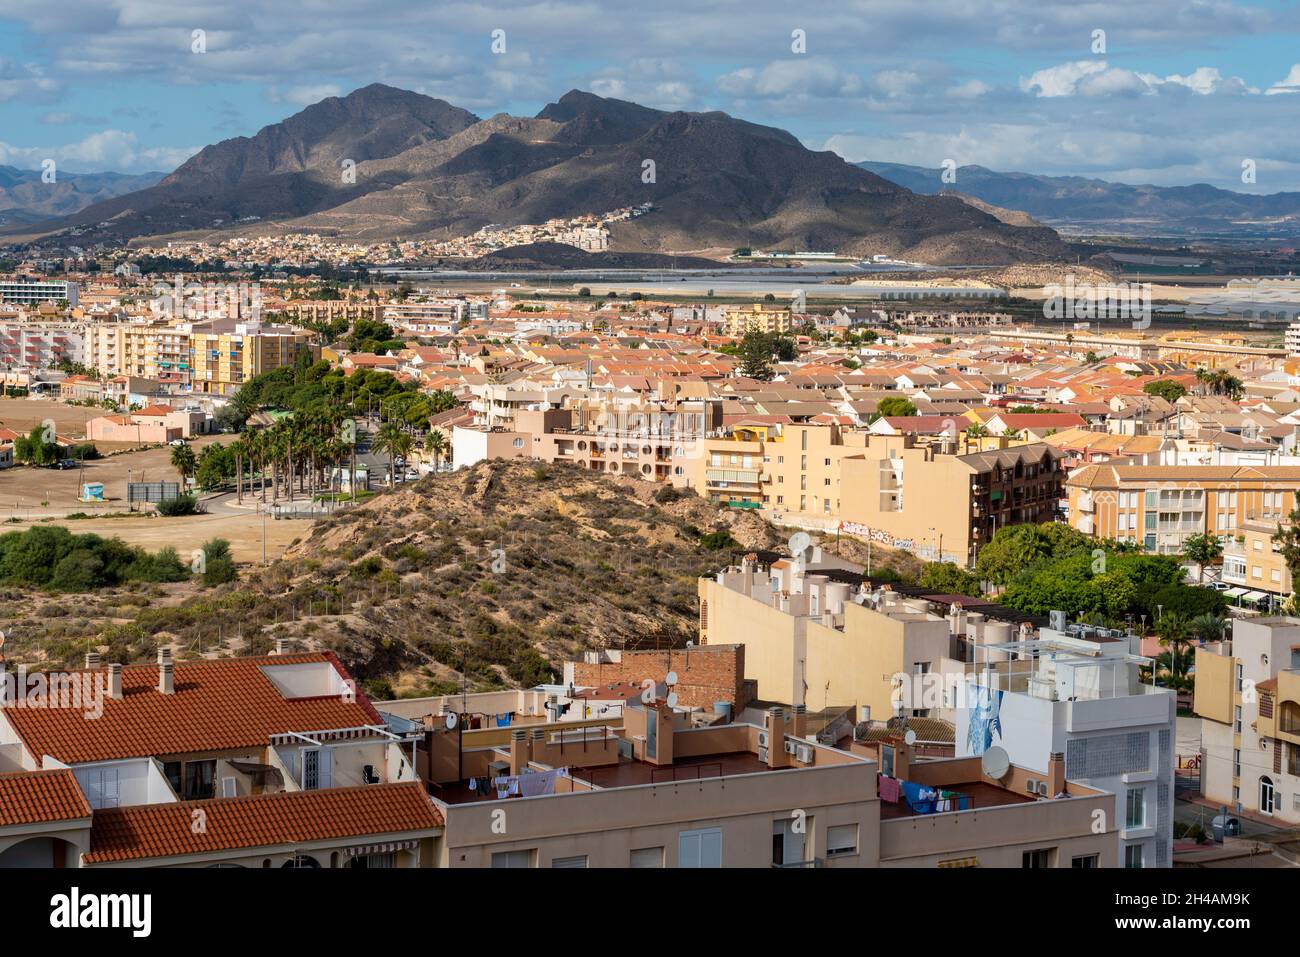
point(40, 344)
point(33, 292)
point(1077, 693)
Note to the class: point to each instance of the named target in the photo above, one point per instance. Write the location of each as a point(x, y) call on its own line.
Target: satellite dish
point(910, 738)
point(799, 543)
point(995, 763)
point(451, 720)
point(672, 700)
point(671, 679)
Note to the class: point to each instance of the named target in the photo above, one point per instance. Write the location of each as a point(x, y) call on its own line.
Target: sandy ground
point(22, 414)
point(23, 488)
point(243, 531)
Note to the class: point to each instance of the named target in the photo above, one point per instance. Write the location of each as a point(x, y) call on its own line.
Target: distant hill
point(24, 198)
point(1078, 201)
point(425, 168)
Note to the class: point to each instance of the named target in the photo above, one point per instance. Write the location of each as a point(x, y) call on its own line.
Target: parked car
point(62, 464)
point(176, 442)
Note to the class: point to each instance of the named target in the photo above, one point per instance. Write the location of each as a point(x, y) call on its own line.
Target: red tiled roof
point(217, 705)
point(33, 797)
point(263, 820)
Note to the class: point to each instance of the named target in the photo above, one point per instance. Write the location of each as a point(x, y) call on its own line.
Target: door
point(1266, 795)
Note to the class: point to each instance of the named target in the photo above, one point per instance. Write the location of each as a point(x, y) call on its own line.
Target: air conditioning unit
point(804, 753)
point(762, 754)
point(762, 739)
point(789, 747)
point(1042, 788)
point(1032, 786)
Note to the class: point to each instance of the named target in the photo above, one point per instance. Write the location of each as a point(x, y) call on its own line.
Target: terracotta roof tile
point(217, 705)
point(264, 820)
point(32, 797)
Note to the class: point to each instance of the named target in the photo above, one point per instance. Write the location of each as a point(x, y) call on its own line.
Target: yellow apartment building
point(224, 361)
point(758, 318)
point(1158, 507)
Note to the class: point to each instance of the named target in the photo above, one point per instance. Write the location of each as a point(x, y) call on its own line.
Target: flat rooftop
point(981, 794)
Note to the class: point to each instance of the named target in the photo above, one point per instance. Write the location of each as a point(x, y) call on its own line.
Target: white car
point(176, 442)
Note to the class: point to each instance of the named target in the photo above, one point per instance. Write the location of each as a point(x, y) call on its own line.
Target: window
point(579, 860)
point(1087, 862)
point(1133, 855)
point(1241, 674)
point(1039, 858)
point(1236, 719)
point(1135, 811)
point(512, 859)
point(701, 848)
point(841, 840)
point(101, 786)
point(1236, 762)
point(200, 780)
point(647, 857)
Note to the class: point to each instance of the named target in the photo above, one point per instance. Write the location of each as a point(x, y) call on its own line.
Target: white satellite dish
point(451, 720)
point(910, 738)
point(671, 679)
point(799, 543)
point(995, 763)
point(672, 700)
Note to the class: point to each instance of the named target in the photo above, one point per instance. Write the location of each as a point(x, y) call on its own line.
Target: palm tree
point(239, 449)
point(390, 440)
point(1207, 627)
point(435, 443)
point(184, 462)
point(1174, 632)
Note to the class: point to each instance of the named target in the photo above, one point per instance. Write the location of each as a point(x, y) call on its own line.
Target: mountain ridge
point(425, 168)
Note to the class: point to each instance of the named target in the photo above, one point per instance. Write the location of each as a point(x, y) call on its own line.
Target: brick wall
point(704, 675)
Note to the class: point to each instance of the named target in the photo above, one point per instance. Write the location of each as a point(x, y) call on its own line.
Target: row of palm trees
point(308, 453)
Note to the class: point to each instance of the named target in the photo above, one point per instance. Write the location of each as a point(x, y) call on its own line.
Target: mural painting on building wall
point(985, 718)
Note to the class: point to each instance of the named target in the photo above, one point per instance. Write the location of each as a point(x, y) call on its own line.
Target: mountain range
point(25, 198)
point(427, 169)
point(1081, 203)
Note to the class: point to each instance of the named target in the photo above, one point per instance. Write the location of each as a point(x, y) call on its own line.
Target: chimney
point(1056, 774)
point(776, 756)
point(282, 646)
point(115, 681)
point(518, 750)
point(799, 726)
point(902, 758)
point(537, 746)
point(166, 681)
point(92, 659)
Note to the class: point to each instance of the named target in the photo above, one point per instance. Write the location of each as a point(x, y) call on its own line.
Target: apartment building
point(930, 497)
point(663, 790)
point(213, 358)
point(223, 356)
point(299, 312)
point(1075, 692)
point(255, 762)
point(1248, 700)
point(813, 638)
point(1158, 507)
point(656, 443)
point(1253, 566)
point(41, 343)
point(757, 318)
point(32, 292)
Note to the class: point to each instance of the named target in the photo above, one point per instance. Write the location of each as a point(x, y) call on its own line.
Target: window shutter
point(326, 774)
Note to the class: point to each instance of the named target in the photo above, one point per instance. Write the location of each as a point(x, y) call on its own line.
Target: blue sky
point(1183, 92)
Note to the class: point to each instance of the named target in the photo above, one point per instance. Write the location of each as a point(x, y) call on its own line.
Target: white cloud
point(802, 77)
point(1288, 84)
point(1098, 78)
point(105, 150)
point(305, 95)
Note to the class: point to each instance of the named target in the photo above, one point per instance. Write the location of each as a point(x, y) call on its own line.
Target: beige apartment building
point(1158, 507)
point(758, 318)
point(1253, 566)
point(808, 642)
point(213, 358)
point(1248, 699)
point(665, 790)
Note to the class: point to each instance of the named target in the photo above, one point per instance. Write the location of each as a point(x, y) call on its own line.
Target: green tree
point(1167, 389)
point(949, 578)
point(755, 353)
point(894, 406)
point(1202, 550)
point(184, 462)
